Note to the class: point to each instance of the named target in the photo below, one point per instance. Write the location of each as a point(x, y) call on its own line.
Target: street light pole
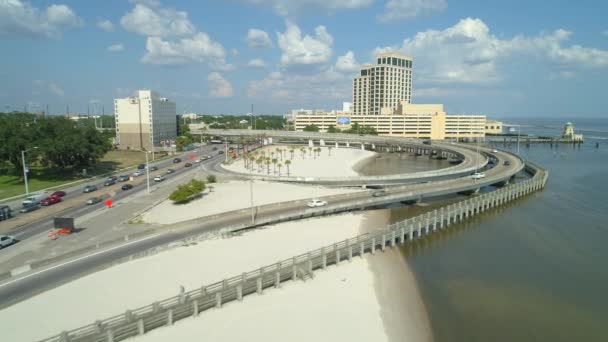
point(25, 170)
point(147, 172)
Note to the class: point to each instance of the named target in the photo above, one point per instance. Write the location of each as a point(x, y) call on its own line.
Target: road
point(29, 284)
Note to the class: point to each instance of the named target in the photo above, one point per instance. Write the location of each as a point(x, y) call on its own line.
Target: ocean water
point(534, 270)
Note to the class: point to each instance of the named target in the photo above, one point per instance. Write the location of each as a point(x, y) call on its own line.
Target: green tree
point(211, 179)
point(287, 163)
point(333, 129)
point(279, 165)
point(274, 165)
point(311, 128)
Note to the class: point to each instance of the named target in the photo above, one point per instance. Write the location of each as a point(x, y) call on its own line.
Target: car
point(220, 152)
point(29, 208)
point(170, 171)
point(123, 178)
point(316, 203)
point(177, 160)
point(215, 148)
point(33, 199)
point(506, 163)
point(137, 173)
point(153, 168)
point(50, 200)
point(93, 200)
point(478, 175)
point(89, 188)
point(5, 212)
point(109, 182)
point(58, 193)
point(197, 161)
point(187, 165)
point(379, 193)
point(127, 187)
point(159, 178)
point(141, 166)
point(113, 178)
point(494, 151)
point(7, 240)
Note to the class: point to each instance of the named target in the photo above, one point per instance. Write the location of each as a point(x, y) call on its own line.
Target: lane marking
point(81, 258)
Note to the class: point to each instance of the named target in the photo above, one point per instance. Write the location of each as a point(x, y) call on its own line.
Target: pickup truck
point(33, 200)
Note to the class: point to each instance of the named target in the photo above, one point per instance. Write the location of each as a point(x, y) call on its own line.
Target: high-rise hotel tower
point(384, 85)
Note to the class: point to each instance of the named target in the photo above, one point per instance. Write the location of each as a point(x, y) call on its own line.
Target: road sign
point(109, 203)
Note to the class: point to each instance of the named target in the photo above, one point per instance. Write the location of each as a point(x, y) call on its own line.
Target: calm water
point(392, 163)
point(534, 270)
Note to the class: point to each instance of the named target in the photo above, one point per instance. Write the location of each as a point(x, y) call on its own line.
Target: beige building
point(423, 121)
point(493, 127)
point(144, 120)
point(383, 85)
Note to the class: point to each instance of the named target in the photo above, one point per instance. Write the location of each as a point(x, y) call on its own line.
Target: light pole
point(25, 170)
point(147, 172)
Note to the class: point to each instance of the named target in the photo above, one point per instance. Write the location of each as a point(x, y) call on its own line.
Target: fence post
point(64, 337)
point(410, 230)
point(373, 245)
point(383, 242)
point(128, 316)
point(362, 248)
point(419, 227)
point(338, 257)
point(239, 292)
point(182, 294)
point(393, 238)
point(428, 222)
point(441, 219)
point(294, 269)
point(218, 299)
point(259, 284)
point(402, 235)
point(140, 327)
point(350, 253)
point(310, 264)
point(323, 258)
point(170, 317)
point(109, 335)
point(195, 308)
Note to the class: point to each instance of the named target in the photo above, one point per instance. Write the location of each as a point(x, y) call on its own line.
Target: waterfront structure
point(568, 133)
point(383, 86)
point(144, 120)
point(423, 121)
point(493, 127)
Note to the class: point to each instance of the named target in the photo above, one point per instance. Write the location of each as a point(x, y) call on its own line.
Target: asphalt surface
point(24, 286)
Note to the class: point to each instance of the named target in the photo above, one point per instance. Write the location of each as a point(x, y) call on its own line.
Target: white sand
point(233, 196)
point(340, 163)
point(338, 298)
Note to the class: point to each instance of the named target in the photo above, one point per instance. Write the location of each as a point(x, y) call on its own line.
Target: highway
point(29, 284)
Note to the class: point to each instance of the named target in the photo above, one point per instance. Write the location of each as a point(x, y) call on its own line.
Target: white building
point(144, 120)
point(190, 116)
point(347, 106)
point(383, 85)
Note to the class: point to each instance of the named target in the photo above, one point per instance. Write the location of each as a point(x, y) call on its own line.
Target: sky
point(500, 58)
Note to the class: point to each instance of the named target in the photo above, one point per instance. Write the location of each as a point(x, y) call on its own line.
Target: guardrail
point(192, 303)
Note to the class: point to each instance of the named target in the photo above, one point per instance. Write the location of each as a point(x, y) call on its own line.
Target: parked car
point(123, 178)
point(109, 182)
point(187, 165)
point(93, 200)
point(506, 163)
point(7, 240)
point(316, 203)
point(379, 193)
point(89, 188)
point(33, 199)
point(29, 208)
point(127, 187)
point(177, 160)
point(215, 148)
point(478, 175)
point(137, 173)
point(153, 168)
point(58, 193)
point(170, 171)
point(159, 178)
point(50, 200)
point(5, 212)
point(141, 166)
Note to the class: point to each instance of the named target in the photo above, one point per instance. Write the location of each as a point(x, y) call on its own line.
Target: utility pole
point(25, 171)
point(147, 172)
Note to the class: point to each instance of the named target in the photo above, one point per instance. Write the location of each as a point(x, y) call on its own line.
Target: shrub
point(211, 179)
point(185, 192)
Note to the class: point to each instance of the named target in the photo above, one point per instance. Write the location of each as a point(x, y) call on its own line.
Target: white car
point(316, 203)
point(494, 151)
point(159, 178)
point(6, 240)
point(478, 175)
point(137, 173)
point(197, 161)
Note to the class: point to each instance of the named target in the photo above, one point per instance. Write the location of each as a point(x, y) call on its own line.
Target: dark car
point(123, 178)
point(109, 182)
point(187, 165)
point(5, 212)
point(127, 187)
point(170, 170)
point(215, 148)
point(379, 193)
point(93, 200)
point(177, 160)
point(50, 200)
point(220, 152)
point(141, 166)
point(89, 188)
point(58, 193)
point(506, 163)
point(29, 208)
point(153, 168)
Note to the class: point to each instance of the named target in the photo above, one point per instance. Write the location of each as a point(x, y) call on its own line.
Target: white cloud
point(396, 10)
point(20, 19)
point(116, 48)
point(304, 50)
point(468, 53)
point(286, 7)
point(257, 63)
point(258, 39)
point(218, 85)
point(56, 89)
point(347, 63)
point(154, 21)
point(44, 86)
point(105, 25)
point(197, 49)
point(234, 52)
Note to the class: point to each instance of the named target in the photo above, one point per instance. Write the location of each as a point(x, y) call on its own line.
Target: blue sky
point(500, 58)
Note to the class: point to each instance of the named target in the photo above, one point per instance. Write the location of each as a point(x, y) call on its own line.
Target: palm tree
point(268, 166)
point(291, 150)
point(287, 163)
point(310, 151)
point(303, 152)
point(329, 150)
point(274, 165)
point(279, 165)
point(260, 163)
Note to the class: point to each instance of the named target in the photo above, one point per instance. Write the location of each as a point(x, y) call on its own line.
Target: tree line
point(354, 129)
point(50, 141)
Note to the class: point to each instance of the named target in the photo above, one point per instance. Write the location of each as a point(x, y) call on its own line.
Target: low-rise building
point(493, 127)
